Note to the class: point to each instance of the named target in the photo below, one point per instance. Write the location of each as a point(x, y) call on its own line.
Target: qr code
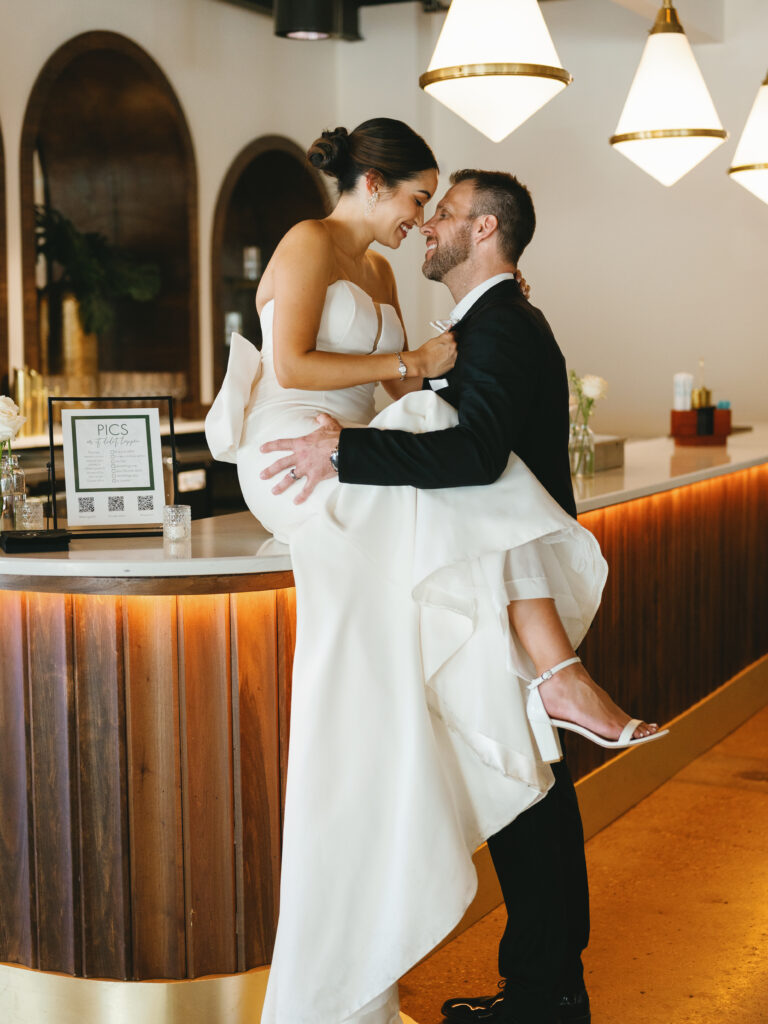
point(146, 503)
point(116, 503)
point(86, 504)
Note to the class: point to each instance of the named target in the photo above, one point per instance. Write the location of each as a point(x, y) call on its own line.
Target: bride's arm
point(397, 388)
point(302, 269)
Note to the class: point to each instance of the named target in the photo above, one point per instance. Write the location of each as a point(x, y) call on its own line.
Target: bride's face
point(401, 209)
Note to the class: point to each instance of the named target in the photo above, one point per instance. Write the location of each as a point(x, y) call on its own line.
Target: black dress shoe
point(574, 1008)
point(466, 1010)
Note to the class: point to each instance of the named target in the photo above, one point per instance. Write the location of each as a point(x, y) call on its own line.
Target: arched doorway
point(113, 153)
point(268, 188)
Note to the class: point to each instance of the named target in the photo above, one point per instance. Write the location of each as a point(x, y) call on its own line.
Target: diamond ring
point(293, 473)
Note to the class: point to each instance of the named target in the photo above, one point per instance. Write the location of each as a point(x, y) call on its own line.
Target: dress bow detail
point(224, 422)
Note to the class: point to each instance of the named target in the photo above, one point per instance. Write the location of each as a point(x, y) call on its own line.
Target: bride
point(410, 743)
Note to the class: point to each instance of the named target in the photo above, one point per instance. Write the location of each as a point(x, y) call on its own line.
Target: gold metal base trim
point(486, 70)
point(31, 997)
point(747, 167)
point(671, 133)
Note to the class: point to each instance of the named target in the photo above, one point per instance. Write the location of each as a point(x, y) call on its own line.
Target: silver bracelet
point(402, 368)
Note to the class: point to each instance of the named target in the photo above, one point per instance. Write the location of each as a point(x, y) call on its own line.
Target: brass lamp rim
point(747, 167)
point(670, 133)
point(457, 71)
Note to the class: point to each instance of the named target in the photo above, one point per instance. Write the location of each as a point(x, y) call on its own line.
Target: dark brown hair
point(382, 144)
point(502, 195)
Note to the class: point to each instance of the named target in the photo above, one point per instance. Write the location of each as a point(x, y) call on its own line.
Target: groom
point(510, 389)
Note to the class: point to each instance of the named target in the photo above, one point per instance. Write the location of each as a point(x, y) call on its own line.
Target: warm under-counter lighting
point(494, 64)
point(750, 164)
point(669, 122)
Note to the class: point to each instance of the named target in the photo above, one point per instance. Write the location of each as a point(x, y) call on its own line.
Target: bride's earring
point(370, 205)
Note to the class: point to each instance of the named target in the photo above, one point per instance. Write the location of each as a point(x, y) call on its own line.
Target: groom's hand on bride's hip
point(310, 458)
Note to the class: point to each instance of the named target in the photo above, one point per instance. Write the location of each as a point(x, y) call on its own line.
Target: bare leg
point(571, 695)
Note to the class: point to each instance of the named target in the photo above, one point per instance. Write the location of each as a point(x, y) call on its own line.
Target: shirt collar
point(462, 308)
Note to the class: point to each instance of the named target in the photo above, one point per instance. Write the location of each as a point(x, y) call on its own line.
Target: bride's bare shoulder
point(304, 256)
point(311, 237)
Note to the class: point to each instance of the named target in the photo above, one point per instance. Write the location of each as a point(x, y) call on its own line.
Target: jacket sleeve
point(500, 368)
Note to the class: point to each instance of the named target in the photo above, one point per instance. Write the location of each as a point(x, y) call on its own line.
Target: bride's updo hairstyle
point(382, 144)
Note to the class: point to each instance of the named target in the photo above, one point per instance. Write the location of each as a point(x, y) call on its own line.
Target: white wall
point(637, 280)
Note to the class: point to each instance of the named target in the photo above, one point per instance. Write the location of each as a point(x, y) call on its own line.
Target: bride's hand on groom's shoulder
point(309, 461)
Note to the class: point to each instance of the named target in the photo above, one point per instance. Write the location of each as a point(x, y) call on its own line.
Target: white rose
point(10, 421)
point(594, 387)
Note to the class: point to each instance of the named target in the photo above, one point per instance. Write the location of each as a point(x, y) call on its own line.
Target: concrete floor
point(679, 889)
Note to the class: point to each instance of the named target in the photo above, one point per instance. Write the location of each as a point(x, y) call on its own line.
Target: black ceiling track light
point(316, 19)
point(322, 19)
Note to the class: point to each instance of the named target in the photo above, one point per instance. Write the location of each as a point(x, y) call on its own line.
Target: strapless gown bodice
point(352, 324)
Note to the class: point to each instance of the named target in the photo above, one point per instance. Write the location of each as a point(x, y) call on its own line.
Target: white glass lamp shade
point(669, 123)
point(494, 64)
point(750, 163)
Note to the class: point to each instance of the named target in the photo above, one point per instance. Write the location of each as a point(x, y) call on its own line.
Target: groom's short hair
point(501, 194)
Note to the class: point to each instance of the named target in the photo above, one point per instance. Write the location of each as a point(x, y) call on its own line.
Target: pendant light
point(750, 164)
point(494, 64)
point(669, 123)
point(316, 19)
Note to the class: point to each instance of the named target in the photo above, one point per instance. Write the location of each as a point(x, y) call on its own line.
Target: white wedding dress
point(409, 740)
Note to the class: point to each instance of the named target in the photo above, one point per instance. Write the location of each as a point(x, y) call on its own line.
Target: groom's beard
point(447, 255)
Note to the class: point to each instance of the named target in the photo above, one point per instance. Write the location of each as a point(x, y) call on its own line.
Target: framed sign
point(113, 466)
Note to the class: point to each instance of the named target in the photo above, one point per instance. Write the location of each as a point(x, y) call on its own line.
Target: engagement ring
point(293, 473)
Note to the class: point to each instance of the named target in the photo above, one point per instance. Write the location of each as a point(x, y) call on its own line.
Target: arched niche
point(269, 187)
point(110, 139)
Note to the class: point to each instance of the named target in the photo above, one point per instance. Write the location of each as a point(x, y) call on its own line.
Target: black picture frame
point(150, 531)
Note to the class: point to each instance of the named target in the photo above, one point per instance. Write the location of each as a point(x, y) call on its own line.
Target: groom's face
point(448, 232)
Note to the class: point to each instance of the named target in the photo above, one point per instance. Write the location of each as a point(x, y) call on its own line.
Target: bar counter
point(144, 714)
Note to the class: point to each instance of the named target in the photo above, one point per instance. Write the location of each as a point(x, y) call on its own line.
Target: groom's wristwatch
point(335, 460)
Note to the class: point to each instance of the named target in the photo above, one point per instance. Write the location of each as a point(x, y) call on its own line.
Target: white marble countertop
point(237, 544)
point(658, 465)
point(223, 546)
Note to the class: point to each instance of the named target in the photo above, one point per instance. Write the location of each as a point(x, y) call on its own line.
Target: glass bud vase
point(581, 450)
point(12, 484)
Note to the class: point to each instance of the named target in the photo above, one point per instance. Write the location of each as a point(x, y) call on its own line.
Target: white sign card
point(113, 467)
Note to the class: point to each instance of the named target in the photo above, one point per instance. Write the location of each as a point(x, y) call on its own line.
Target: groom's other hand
point(310, 458)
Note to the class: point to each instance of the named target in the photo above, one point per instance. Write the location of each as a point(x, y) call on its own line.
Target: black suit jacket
point(510, 388)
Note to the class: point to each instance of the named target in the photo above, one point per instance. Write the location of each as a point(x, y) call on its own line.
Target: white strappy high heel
point(537, 713)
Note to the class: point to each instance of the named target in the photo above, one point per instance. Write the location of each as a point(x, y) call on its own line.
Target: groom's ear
point(485, 225)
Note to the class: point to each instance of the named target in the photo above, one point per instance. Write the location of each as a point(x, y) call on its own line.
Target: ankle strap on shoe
point(551, 671)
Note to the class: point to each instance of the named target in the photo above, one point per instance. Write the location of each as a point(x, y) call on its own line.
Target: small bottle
point(681, 394)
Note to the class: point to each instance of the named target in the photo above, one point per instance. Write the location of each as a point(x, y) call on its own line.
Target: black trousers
point(539, 859)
